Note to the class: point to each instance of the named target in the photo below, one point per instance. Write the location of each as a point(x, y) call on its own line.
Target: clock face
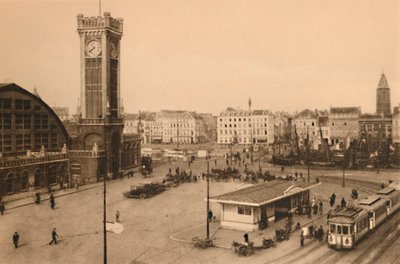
point(113, 50)
point(93, 48)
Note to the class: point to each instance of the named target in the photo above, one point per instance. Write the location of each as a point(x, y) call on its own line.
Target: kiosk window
point(333, 228)
point(339, 229)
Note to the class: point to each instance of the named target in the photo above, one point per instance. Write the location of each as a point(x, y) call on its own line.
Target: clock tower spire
point(100, 65)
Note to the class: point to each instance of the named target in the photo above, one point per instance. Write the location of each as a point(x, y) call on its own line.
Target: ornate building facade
point(98, 148)
point(33, 143)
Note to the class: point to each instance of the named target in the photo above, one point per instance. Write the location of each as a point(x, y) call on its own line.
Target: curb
point(61, 195)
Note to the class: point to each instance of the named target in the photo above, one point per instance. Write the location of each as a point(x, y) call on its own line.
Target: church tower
point(100, 122)
point(383, 96)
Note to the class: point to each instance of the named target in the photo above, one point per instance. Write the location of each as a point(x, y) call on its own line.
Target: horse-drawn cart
point(202, 243)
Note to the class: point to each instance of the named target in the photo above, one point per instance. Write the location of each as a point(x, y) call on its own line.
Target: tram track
point(365, 186)
point(381, 241)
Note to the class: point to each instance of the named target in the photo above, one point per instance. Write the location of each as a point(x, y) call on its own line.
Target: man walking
point(302, 239)
point(54, 236)
point(15, 239)
point(52, 201)
point(117, 216)
point(320, 206)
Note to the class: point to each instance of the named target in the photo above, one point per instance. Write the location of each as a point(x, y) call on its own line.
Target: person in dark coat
point(320, 234)
point(210, 215)
point(246, 238)
point(302, 239)
point(2, 208)
point(54, 236)
point(320, 206)
point(15, 239)
point(37, 198)
point(311, 229)
point(315, 208)
point(52, 201)
point(309, 211)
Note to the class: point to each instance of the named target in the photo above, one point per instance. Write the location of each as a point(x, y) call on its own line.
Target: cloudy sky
point(205, 55)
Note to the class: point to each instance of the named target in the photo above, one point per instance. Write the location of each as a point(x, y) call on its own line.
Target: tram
point(349, 225)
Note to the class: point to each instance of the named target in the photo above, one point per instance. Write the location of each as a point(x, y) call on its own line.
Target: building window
point(5, 121)
point(244, 210)
point(24, 181)
point(10, 183)
point(52, 176)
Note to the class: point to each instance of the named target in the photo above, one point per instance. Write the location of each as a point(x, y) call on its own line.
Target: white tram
point(347, 226)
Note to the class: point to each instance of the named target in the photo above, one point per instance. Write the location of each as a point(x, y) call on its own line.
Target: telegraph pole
point(104, 220)
point(344, 167)
point(308, 157)
point(208, 198)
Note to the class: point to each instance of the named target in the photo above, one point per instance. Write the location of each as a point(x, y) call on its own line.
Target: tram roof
point(369, 200)
point(346, 215)
point(386, 190)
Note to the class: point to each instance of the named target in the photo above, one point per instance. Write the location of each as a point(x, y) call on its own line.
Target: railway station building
point(33, 143)
point(251, 208)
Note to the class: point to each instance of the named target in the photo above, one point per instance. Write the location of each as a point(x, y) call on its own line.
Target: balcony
point(32, 159)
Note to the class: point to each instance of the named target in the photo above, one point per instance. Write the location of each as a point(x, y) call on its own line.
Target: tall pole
point(344, 167)
point(104, 221)
point(208, 198)
point(259, 159)
point(308, 157)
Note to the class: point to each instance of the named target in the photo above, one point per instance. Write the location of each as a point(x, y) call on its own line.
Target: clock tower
point(100, 126)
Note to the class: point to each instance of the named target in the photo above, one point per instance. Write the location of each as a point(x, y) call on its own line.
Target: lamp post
point(208, 199)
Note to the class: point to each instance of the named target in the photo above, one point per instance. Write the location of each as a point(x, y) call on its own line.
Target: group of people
point(54, 237)
point(313, 232)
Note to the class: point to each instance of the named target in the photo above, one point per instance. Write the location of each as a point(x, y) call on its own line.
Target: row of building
point(338, 126)
point(171, 126)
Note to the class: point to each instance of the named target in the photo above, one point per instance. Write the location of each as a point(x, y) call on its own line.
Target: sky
point(206, 55)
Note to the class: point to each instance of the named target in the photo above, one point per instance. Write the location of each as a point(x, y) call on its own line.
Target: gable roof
point(263, 193)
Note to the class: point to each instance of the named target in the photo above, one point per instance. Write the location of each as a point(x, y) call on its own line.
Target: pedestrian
point(301, 239)
point(382, 185)
point(210, 215)
point(189, 163)
point(117, 216)
point(321, 234)
point(343, 202)
point(246, 238)
point(37, 198)
point(15, 239)
point(215, 161)
point(52, 201)
point(298, 226)
point(54, 236)
point(309, 211)
point(2, 208)
point(301, 175)
point(315, 209)
point(320, 207)
point(311, 229)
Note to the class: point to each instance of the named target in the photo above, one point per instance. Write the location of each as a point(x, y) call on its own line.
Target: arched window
point(9, 182)
point(38, 178)
point(52, 175)
point(24, 181)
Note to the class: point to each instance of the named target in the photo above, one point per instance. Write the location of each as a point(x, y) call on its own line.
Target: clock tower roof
point(383, 84)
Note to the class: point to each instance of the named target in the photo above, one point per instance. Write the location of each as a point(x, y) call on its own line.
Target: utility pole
point(308, 157)
point(208, 198)
point(344, 167)
point(104, 220)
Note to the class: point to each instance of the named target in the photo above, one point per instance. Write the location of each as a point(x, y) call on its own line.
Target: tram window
point(351, 229)
point(345, 230)
point(339, 229)
point(333, 229)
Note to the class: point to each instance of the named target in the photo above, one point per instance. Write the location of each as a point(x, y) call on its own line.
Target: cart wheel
point(243, 250)
point(142, 195)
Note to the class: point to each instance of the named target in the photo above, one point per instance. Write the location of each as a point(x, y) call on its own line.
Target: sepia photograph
point(200, 131)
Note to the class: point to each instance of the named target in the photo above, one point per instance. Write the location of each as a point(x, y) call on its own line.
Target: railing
point(101, 121)
point(86, 153)
point(19, 161)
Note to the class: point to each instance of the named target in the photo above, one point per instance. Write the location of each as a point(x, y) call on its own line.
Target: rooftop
point(263, 193)
point(345, 110)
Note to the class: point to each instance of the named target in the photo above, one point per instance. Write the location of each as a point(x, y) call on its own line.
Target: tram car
point(347, 226)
